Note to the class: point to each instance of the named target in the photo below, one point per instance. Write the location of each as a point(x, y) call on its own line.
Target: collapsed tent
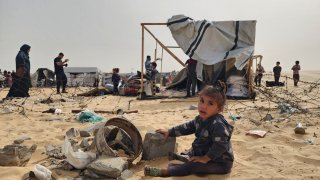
point(222, 48)
point(211, 42)
point(42, 77)
point(180, 81)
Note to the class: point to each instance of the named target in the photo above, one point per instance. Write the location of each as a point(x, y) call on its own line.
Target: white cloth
point(211, 42)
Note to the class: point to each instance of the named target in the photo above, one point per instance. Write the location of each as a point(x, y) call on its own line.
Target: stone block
point(16, 155)
point(84, 133)
point(107, 167)
point(154, 145)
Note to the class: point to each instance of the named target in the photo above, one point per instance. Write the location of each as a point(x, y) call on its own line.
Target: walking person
point(296, 75)
point(60, 75)
point(259, 73)
point(21, 79)
point(277, 73)
point(191, 76)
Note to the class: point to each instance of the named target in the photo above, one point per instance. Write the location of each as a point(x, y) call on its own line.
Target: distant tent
point(43, 77)
point(223, 48)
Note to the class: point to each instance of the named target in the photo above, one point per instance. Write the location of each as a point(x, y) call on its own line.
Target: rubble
point(299, 129)
point(193, 107)
point(84, 133)
point(54, 151)
point(85, 143)
point(257, 133)
point(16, 154)
point(268, 117)
point(120, 134)
point(72, 133)
point(107, 167)
point(154, 145)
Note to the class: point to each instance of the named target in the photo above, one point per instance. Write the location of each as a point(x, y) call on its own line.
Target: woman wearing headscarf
point(21, 79)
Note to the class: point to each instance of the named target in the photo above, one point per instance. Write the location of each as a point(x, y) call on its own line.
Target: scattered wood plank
point(103, 111)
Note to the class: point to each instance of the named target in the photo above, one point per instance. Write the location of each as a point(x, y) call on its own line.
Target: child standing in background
point(115, 80)
point(211, 151)
point(296, 75)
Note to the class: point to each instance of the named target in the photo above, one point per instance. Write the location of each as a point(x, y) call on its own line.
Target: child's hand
point(164, 132)
point(201, 159)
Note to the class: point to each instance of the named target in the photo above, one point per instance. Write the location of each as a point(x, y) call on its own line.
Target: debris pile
point(104, 150)
point(16, 154)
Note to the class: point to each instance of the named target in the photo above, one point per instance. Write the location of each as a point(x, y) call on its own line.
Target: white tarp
point(211, 42)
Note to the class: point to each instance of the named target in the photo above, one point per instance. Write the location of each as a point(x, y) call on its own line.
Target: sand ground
point(281, 154)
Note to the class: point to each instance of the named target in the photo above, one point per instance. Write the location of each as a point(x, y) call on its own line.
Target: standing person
point(211, 151)
point(296, 75)
point(60, 75)
point(21, 79)
point(147, 64)
point(259, 74)
point(277, 73)
point(191, 76)
point(115, 80)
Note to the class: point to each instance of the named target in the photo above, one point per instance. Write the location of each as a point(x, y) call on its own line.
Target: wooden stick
point(153, 24)
point(178, 101)
point(142, 57)
point(103, 111)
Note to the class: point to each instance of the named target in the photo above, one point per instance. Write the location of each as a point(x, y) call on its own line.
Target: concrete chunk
point(108, 166)
point(16, 154)
point(154, 145)
point(84, 133)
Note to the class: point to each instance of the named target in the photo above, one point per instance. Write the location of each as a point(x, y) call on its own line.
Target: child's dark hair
point(297, 62)
point(154, 64)
point(218, 92)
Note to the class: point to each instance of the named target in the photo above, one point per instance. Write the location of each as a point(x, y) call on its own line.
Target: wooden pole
point(144, 24)
point(155, 52)
point(249, 66)
point(161, 68)
point(142, 57)
point(163, 46)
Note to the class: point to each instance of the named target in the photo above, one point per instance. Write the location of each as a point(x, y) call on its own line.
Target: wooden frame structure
point(166, 48)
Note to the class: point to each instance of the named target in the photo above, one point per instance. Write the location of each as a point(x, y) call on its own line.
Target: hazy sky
point(107, 34)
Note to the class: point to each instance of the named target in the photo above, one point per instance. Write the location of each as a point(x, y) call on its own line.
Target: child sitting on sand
point(211, 151)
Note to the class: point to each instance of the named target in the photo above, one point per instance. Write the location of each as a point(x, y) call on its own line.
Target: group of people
point(211, 151)
point(151, 68)
point(21, 80)
point(277, 73)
